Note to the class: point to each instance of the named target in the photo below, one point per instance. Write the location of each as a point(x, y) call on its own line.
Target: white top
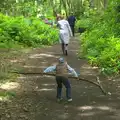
point(65, 31)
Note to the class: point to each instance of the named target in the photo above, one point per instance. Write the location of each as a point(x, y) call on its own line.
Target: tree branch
point(98, 84)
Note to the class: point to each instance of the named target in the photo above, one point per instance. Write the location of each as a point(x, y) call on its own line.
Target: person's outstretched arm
point(71, 70)
point(50, 69)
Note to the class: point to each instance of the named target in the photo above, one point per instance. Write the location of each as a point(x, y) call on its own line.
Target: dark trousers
point(73, 29)
point(63, 81)
point(64, 48)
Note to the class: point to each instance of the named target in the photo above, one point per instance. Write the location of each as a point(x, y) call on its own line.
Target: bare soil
point(35, 97)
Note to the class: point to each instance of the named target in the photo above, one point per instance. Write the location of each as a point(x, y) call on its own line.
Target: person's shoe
point(59, 99)
point(69, 100)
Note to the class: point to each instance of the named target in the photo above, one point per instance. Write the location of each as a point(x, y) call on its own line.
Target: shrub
point(101, 41)
point(26, 31)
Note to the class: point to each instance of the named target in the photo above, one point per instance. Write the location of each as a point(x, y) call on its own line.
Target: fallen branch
point(98, 84)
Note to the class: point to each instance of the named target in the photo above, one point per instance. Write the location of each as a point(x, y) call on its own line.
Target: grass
point(6, 95)
point(6, 64)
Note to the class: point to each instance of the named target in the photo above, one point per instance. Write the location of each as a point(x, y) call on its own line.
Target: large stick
point(98, 84)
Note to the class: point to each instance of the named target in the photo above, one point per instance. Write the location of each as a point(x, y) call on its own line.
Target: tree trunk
point(65, 7)
point(105, 4)
point(92, 4)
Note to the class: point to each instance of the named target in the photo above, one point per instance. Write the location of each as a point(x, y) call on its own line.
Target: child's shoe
point(69, 100)
point(59, 99)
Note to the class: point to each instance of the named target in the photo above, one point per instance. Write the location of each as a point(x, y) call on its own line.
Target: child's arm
point(69, 29)
point(50, 69)
point(71, 70)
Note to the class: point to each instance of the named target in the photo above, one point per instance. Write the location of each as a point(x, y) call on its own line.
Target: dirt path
point(36, 95)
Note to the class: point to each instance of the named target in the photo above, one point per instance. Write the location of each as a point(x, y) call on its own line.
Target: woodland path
point(36, 95)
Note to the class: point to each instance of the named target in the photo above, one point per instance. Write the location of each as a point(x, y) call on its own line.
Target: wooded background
point(45, 7)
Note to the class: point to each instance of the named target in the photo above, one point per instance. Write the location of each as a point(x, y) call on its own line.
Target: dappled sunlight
point(10, 85)
point(64, 116)
point(54, 53)
point(29, 77)
point(16, 61)
point(87, 114)
point(88, 70)
point(35, 56)
point(48, 84)
point(88, 67)
point(104, 108)
point(44, 89)
point(34, 77)
point(22, 77)
point(87, 108)
point(32, 66)
point(42, 55)
point(48, 76)
point(94, 67)
point(4, 99)
point(94, 110)
point(44, 62)
point(85, 73)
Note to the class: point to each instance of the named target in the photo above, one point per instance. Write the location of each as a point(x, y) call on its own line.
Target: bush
point(101, 41)
point(88, 22)
point(26, 31)
point(83, 23)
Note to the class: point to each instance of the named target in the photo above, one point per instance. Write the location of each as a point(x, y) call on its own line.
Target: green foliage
point(6, 95)
point(25, 31)
point(83, 23)
point(101, 41)
point(10, 61)
point(89, 21)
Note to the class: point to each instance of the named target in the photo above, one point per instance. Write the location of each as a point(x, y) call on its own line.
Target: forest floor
point(35, 95)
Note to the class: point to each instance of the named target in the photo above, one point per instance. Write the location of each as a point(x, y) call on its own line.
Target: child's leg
point(59, 87)
point(62, 42)
point(66, 82)
point(63, 48)
point(66, 49)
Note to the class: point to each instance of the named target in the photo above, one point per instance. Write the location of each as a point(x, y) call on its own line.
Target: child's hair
point(60, 17)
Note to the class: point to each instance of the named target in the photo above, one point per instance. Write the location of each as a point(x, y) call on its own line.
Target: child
point(61, 70)
point(65, 33)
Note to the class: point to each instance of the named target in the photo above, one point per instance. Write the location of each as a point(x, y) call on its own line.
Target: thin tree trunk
point(65, 7)
point(60, 6)
point(105, 4)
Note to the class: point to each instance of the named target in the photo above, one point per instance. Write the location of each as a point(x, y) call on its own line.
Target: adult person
point(64, 34)
point(71, 20)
